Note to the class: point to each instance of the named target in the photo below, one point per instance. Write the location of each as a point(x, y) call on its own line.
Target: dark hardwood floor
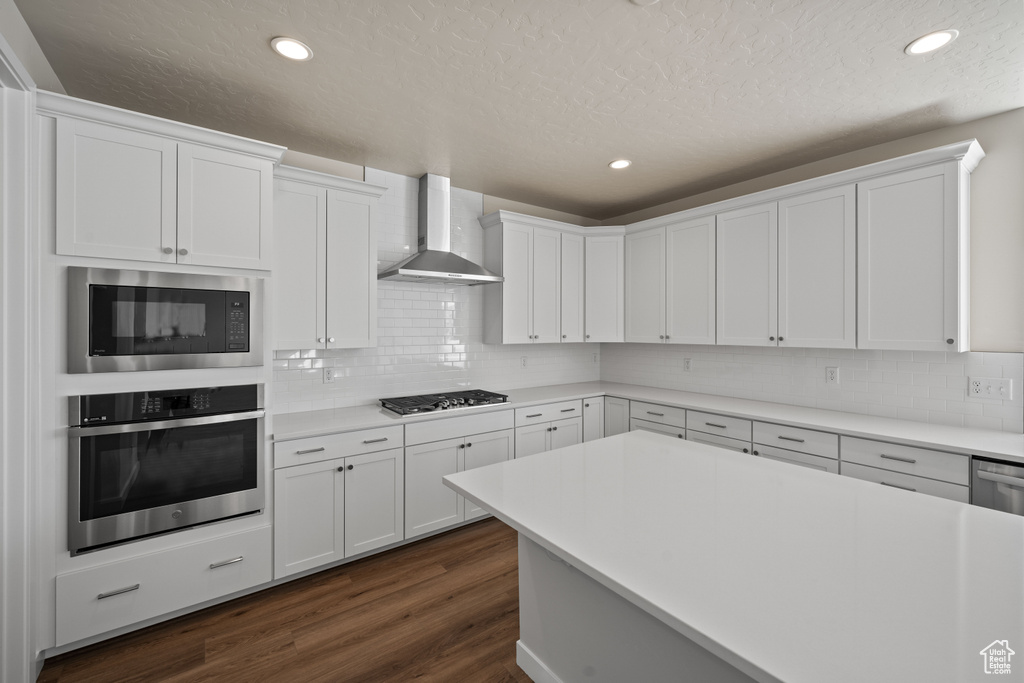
point(442, 609)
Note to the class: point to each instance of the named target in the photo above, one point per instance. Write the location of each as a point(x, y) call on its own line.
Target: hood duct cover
point(434, 261)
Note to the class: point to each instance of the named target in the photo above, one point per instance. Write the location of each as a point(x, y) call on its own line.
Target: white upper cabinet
point(572, 280)
point(528, 309)
point(605, 288)
point(818, 269)
point(690, 282)
point(645, 286)
point(325, 258)
point(747, 271)
point(787, 272)
point(670, 283)
point(913, 259)
point(137, 188)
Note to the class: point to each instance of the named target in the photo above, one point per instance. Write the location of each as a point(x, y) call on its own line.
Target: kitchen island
point(644, 557)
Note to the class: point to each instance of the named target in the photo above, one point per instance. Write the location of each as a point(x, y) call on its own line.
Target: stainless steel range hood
point(435, 262)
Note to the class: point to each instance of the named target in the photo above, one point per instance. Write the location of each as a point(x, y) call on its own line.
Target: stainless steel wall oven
point(145, 463)
point(139, 320)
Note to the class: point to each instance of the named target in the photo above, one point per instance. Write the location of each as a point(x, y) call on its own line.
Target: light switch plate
point(988, 387)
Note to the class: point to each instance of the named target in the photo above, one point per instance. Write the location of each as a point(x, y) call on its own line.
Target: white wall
point(430, 337)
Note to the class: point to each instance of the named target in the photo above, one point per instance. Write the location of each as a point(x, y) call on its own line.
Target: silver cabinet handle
point(1001, 478)
point(712, 424)
point(168, 250)
point(321, 340)
point(897, 458)
point(380, 440)
point(330, 339)
point(568, 410)
point(897, 486)
point(791, 438)
point(218, 565)
point(183, 252)
point(535, 415)
point(651, 412)
point(311, 450)
point(119, 591)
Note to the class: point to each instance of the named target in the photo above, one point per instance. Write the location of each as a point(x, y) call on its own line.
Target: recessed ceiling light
point(291, 48)
point(932, 41)
point(620, 163)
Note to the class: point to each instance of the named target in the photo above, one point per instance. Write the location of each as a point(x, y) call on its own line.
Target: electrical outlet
point(831, 375)
point(329, 374)
point(987, 387)
point(687, 364)
point(522, 360)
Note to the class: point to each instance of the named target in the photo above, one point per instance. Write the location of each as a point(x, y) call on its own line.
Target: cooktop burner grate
point(410, 405)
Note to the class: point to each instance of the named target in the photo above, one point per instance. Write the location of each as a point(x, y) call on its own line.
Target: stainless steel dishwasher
point(997, 484)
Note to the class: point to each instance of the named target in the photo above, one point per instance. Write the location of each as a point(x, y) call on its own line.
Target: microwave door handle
point(101, 430)
point(1001, 478)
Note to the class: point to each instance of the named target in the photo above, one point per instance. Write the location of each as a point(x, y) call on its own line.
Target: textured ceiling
point(530, 99)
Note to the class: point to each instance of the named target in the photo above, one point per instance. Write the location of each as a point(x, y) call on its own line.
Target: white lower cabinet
point(656, 418)
point(797, 446)
point(732, 433)
point(445, 446)
point(547, 427)
point(329, 510)
point(336, 496)
point(937, 473)
point(100, 599)
point(593, 418)
point(616, 415)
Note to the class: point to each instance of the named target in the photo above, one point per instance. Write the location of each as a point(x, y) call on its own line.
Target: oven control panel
point(144, 406)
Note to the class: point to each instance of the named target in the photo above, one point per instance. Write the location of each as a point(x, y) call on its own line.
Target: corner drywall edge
point(997, 216)
point(24, 44)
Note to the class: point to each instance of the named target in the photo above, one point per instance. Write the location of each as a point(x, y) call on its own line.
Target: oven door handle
point(101, 430)
point(1001, 478)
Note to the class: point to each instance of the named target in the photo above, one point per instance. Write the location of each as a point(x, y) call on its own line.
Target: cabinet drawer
point(656, 427)
point(317, 448)
point(796, 439)
point(718, 441)
point(813, 462)
point(548, 412)
point(732, 427)
point(951, 467)
point(100, 599)
point(906, 482)
point(455, 427)
point(652, 412)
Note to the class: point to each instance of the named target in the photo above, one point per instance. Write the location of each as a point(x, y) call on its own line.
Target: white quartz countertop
point(1004, 445)
point(788, 573)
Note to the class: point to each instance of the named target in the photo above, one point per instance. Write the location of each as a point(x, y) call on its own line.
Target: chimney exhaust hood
point(434, 262)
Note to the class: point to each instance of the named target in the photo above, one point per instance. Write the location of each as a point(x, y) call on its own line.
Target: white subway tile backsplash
point(921, 386)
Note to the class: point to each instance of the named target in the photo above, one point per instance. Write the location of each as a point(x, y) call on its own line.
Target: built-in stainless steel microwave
point(125, 320)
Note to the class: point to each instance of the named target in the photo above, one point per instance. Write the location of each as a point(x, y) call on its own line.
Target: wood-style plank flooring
point(442, 609)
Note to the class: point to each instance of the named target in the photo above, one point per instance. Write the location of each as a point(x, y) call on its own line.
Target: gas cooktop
point(410, 405)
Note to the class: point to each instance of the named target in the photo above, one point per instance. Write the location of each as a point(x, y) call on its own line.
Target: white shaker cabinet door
point(300, 278)
point(429, 504)
point(817, 269)
point(593, 418)
point(572, 286)
point(309, 516)
point(546, 286)
point(351, 271)
point(747, 258)
point(224, 208)
point(483, 450)
point(645, 286)
point(690, 282)
point(912, 260)
point(616, 415)
point(374, 500)
point(517, 289)
point(606, 288)
point(565, 433)
point(532, 439)
point(116, 192)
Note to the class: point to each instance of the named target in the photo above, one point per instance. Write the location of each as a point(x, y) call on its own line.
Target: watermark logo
point(997, 657)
